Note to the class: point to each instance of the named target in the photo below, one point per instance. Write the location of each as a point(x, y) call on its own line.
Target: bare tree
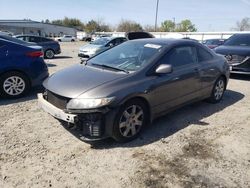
point(243, 25)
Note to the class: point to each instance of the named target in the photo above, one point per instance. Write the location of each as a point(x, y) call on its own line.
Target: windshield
point(238, 40)
point(101, 41)
point(129, 56)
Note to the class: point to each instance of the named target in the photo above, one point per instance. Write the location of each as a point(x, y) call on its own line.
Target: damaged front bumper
point(89, 125)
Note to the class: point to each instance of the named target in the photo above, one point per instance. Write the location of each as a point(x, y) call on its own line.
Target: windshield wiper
point(110, 67)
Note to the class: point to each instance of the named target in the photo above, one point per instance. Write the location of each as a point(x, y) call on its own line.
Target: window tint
point(238, 40)
point(34, 39)
point(45, 40)
point(23, 38)
point(203, 55)
point(181, 56)
point(120, 40)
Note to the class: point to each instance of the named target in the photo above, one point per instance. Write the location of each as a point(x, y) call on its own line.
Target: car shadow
point(30, 96)
point(62, 57)
point(51, 65)
point(240, 77)
point(175, 121)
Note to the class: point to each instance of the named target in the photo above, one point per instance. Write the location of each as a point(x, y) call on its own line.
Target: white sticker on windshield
point(155, 46)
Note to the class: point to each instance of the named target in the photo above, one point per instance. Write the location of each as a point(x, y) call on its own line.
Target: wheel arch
point(141, 98)
point(19, 71)
point(225, 79)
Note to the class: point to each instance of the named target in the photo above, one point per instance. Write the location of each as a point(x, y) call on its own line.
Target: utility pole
point(156, 15)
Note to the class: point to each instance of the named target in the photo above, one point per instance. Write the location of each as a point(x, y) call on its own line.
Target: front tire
point(14, 85)
point(218, 90)
point(130, 120)
point(49, 54)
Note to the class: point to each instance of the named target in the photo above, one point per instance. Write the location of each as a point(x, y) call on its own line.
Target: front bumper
point(89, 125)
point(54, 111)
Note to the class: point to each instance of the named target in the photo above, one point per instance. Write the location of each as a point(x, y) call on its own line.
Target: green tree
point(127, 25)
point(57, 22)
point(69, 22)
point(92, 26)
point(47, 21)
point(185, 26)
point(168, 26)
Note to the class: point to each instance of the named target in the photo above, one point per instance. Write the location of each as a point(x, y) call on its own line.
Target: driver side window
point(180, 56)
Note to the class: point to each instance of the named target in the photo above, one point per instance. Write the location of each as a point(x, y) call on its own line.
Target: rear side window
point(34, 39)
point(46, 40)
point(203, 55)
point(23, 38)
point(238, 40)
point(181, 56)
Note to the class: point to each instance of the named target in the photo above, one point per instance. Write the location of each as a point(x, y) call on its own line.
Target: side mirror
point(164, 69)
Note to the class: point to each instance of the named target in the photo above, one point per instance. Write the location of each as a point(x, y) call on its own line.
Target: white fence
point(200, 36)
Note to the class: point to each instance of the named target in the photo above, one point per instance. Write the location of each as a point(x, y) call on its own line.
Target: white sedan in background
point(66, 38)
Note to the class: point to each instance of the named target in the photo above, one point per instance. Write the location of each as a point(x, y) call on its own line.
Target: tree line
point(129, 25)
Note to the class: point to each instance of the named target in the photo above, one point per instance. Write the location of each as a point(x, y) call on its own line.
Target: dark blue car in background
point(237, 52)
point(21, 67)
point(50, 47)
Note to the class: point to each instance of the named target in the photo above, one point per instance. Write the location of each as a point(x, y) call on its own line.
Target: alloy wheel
point(219, 89)
point(49, 54)
point(131, 121)
point(14, 85)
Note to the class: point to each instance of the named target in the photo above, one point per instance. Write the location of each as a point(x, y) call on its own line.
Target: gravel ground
point(201, 145)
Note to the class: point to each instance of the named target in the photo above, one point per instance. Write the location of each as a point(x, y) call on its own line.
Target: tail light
point(35, 54)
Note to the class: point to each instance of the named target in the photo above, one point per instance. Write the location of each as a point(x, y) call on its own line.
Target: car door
point(208, 69)
point(68, 38)
point(180, 86)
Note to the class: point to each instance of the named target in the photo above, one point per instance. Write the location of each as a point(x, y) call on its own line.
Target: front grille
point(56, 100)
point(235, 59)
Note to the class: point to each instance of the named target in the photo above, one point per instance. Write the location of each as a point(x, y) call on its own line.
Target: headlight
point(77, 104)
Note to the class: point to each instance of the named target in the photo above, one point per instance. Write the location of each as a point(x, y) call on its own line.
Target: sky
point(207, 15)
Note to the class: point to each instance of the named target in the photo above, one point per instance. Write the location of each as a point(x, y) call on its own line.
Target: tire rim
point(219, 89)
point(14, 85)
point(131, 121)
point(49, 54)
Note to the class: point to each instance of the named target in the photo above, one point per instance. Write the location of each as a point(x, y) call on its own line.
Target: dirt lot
point(201, 145)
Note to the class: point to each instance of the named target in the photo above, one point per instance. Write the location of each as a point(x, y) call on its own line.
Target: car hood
point(233, 50)
point(78, 79)
point(90, 47)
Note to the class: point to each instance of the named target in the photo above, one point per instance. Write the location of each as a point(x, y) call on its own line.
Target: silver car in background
point(99, 45)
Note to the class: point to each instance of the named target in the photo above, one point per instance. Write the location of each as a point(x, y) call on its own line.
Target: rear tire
point(72, 40)
point(49, 54)
point(14, 85)
point(130, 121)
point(218, 90)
